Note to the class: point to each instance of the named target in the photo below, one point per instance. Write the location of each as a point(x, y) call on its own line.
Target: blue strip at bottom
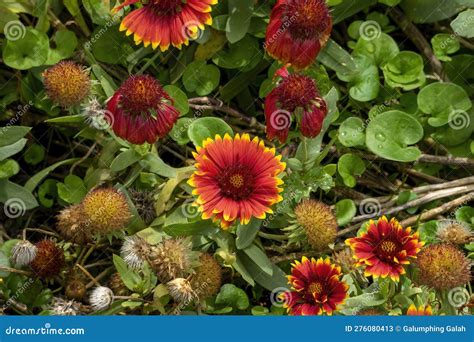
point(238, 328)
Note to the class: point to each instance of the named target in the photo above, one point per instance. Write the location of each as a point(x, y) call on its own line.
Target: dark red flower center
point(140, 94)
point(387, 249)
point(236, 182)
point(315, 288)
point(296, 91)
point(167, 7)
point(309, 18)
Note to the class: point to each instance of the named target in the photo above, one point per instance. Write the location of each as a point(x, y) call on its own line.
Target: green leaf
point(124, 160)
point(352, 132)
point(246, 233)
point(389, 135)
point(364, 83)
point(278, 279)
point(336, 58)
point(240, 13)
point(465, 214)
point(8, 168)
point(405, 70)
point(201, 78)
point(179, 97)
point(37, 178)
point(179, 132)
point(47, 192)
point(10, 135)
point(232, 296)
point(129, 277)
point(463, 25)
point(10, 150)
point(72, 190)
point(27, 52)
point(34, 154)
point(110, 45)
point(99, 11)
point(345, 211)
point(239, 55)
point(444, 45)
point(209, 127)
point(65, 42)
point(22, 198)
point(380, 48)
point(4, 262)
point(193, 228)
point(350, 166)
point(443, 102)
point(259, 258)
point(429, 11)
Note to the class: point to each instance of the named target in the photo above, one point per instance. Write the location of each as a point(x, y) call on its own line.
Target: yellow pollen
point(237, 181)
point(388, 246)
point(315, 288)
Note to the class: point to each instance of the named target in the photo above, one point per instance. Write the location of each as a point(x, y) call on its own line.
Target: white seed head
point(61, 307)
point(101, 298)
point(134, 251)
point(181, 290)
point(23, 253)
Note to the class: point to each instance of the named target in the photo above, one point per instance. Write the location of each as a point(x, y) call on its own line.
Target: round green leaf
point(27, 52)
point(34, 154)
point(209, 127)
point(109, 45)
point(179, 97)
point(201, 78)
point(8, 168)
point(238, 55)
point(350, 166)
point(463, 25)
point(65, 42)
point(443, 101)
point(345, 211)
point(405, 70)
point(443, 45)
point(389, 135)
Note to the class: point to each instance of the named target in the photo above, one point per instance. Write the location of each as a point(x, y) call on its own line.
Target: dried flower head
point(101, 298)
point(72, 225)
point(207, 279)
point(443, 266)
point(454, 232)
point(181, 291)
point(23, 253)
point(173, 258)
point(318, 222)
point(345, 259)
point(106, 210)
point(67, 83)
point(135, 251)
point(61, 307)
point(75, 289)
point(49, 259)
point(144, 202)
point(117, 285)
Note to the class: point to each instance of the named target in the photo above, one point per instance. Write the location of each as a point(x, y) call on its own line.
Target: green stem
point(273, 236)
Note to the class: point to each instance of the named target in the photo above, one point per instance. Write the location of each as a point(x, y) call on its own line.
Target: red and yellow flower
point(385, 248)
point(236, 179)
point(297, 31)
point(295, 93)
point(316, 288)
point(420, 311)
point(166, 22)
point(141, 111)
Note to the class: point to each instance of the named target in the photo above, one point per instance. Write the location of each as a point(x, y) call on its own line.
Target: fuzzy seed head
point(145, 203)
point(106, 210)
point(75, 289)
point(72, 226)
point(67, 83)
point(443, 266)
point(319, 223)
point(49, 259)
point(173, 258)
point(207, 279)
point(455, 232)
point(101, 298)
point(23, 253)
point(181, 291)
point(135, 251)
point(345, 259)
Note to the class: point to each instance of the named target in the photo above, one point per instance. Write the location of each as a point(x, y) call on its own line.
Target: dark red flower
point(167, 22)
point(49, 259)
point(316, 288)
point(297, 31)
point(385, 248)
point(141, 111)
point(295, 94)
